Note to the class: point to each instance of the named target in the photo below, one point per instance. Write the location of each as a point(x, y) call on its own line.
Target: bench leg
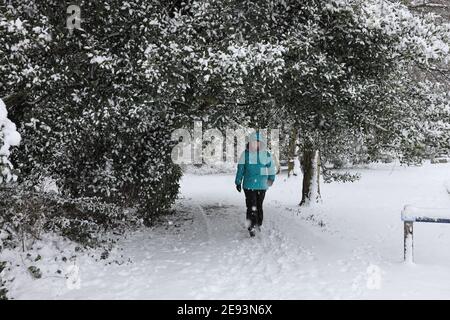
point(408, 242)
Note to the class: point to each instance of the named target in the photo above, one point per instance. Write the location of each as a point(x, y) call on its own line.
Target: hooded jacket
point(255, 167)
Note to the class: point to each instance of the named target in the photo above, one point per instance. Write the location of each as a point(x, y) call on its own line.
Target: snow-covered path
point(350, 246)
point(204, 253)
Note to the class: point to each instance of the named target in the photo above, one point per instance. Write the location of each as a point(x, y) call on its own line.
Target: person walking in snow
point(255, 173)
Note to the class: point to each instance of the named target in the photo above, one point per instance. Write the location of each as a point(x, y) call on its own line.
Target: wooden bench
point(412, 214)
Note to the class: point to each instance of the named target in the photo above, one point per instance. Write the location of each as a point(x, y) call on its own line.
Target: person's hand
point(269, 182)
point(238, 187)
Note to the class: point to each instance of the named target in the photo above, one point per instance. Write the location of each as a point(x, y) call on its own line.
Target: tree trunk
point(310, 164)
point(291, 156)
point(15, 99)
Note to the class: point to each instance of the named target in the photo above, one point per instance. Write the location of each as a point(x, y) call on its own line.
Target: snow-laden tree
point(344, 77)
point(9, 137)
point(96, 107)
point(88, 114)
point(350, 82)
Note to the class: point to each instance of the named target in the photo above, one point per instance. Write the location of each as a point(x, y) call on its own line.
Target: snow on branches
point(8, 137)
point(418, 37)
point(334, 68)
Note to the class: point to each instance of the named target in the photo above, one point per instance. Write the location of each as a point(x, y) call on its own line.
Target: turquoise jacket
point(255, 168)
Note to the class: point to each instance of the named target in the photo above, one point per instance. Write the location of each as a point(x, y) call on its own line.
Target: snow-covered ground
point(348, 247)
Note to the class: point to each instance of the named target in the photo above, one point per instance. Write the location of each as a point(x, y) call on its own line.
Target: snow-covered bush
point(90, 117)
point(25, 216)
point(8, 137)
point(100, 105)
point(28, 217)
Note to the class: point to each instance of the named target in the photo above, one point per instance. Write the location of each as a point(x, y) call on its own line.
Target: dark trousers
point(254, 201)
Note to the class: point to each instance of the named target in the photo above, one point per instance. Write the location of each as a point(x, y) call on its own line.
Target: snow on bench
point(411, 214)
point(416, 214)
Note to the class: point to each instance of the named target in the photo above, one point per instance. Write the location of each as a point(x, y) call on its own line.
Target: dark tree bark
point(17, 106)
point(15, 99)
point(311, 170)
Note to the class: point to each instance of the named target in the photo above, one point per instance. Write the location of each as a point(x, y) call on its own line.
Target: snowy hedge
point(90, 117)
point(96, 108)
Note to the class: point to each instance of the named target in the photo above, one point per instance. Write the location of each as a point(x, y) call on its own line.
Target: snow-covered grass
point(350, 246)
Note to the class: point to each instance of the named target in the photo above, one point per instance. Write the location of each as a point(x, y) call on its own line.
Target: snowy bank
point(348, 247)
